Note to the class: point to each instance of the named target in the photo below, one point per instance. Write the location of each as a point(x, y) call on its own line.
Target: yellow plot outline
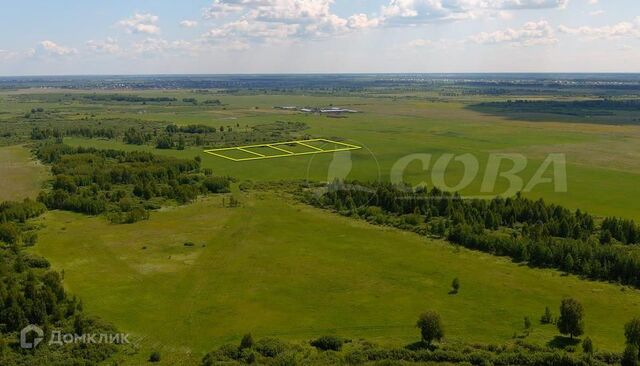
point(284, 152)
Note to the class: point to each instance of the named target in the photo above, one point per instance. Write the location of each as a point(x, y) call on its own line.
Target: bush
point(430, 327)
point(630, 356)
point(164, 142)
point(154, 357)
point(632, 331)
point(247, 341)
point(587, 346)
point(546, 318)
point(9, 233)
point(34, 261)
point(248, 356)
point(455, 285)
point(270, 347)
point(29, 239)
point(328, 343)
point(217, 184)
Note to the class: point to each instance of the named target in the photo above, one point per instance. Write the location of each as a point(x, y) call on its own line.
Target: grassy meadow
point(21, 175)
point(277, 268)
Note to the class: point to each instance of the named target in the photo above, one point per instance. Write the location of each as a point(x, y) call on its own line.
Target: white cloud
point(236, 46)
point(596, 13)
point(425, 11)
point(298, 11)
point(52, 48)
point(150, 45)
point(141, 23)
point(528, 4)
point(7, 55)
point(532, 33)
point(418, 43)
point(362, 21)
point(188, 23)
point(279, 21)
point(251, 30)
point(109, 45)
point(158, 46)
point(505, 15)
point(622, 29)
point(221, 8)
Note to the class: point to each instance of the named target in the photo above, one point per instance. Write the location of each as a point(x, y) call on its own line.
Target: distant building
point(332, 110)
point(338, 110)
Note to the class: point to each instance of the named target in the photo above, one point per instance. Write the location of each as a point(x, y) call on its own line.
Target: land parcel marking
point(281, 149)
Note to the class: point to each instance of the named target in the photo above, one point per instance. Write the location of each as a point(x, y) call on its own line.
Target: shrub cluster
point(272, 351)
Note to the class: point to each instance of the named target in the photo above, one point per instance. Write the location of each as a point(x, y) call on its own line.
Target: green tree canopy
point(571, 318)
point(430, 326)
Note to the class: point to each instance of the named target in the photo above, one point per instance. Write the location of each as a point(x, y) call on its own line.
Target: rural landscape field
point(260, 259)
point(320, 182)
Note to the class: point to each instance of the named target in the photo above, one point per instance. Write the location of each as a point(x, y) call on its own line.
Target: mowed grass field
point(21, 176)
point(274, 267)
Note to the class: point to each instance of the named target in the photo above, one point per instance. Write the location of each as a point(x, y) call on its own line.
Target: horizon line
point(330, 73)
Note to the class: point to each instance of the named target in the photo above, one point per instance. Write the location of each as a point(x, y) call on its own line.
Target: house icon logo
point(26, 331)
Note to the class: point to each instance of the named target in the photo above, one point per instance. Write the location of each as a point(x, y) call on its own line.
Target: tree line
point(127, 98)
point(38, 133)
point(535, 232)
point(180, 137)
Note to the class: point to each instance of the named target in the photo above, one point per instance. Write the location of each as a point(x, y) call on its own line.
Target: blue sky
point(282, 36)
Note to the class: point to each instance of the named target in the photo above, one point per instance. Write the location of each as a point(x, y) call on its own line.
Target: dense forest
point(31, 293)
point(534, 232)
point(613, 111)
point(122, 185)
point(575, 107)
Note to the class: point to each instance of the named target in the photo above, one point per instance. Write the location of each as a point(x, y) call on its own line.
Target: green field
point(20, 175)
point(600, 179)
point(276, 267)
point(258, 269)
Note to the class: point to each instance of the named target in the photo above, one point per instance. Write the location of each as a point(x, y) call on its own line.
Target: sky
point(74, 37)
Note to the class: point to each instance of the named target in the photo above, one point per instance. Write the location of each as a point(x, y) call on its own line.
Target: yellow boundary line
point(251, 152)
point(283, 150)
point(309, 146)
point(344, 147)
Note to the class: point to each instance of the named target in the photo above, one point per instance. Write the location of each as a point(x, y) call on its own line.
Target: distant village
point(328, 111)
